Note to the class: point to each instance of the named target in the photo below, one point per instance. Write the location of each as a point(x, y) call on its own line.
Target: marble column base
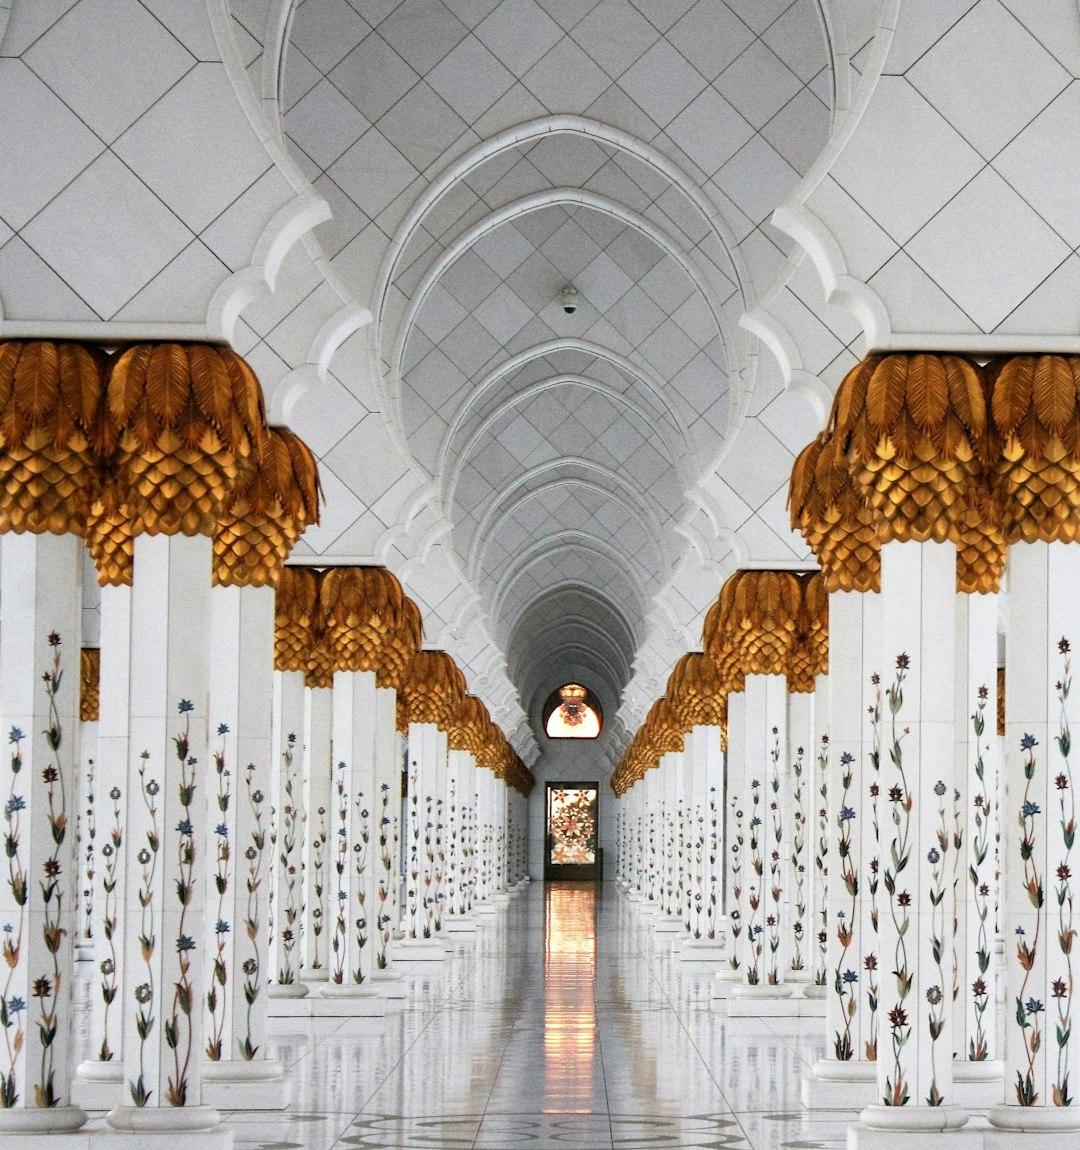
point(747, 1001)
point(84, 950)
point(500, 898)
point(976, 1135)
point(833, 1085)
point(813, 990)
point(418, 950)
point(186, 1128)
point(323, 1005)
point(98, 1085)
point(260, 1084)
point(485, 910)
point(981, 1085)
point(296, 989)
point(702, 950)
point(667, 924)
point(459, 924)
point(389, 983)
point(1040, 1125)
point(46, 1126)
point(648, 909)
point(724, 982)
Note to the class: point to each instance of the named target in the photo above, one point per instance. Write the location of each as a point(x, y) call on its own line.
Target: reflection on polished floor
point(561, 1025)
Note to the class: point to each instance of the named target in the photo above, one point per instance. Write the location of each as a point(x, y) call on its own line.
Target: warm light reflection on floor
point(572, 1064)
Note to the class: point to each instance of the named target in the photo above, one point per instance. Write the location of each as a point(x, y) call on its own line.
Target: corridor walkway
point(561, 1026)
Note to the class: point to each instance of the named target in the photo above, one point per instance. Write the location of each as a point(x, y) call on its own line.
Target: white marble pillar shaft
point(318, 845)
point(288, 820)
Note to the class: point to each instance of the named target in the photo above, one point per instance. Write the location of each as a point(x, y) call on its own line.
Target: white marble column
point(977, 1068)
point(1042, 1046)
point(238, 858)
point(287, 793)
point(352, 945)
point(797, 781)
point(101, 1077)
point(458, 797)
point(915, 1064)
point(711, 854)
point(735, 815)
point(423, 755)
point(847, 1075)
point(669, 921)
point(163, 918)
point(318, 848)
point(387, 840)
point(40, 589)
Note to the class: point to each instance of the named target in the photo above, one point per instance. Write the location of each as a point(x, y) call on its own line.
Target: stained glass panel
point(572, 825)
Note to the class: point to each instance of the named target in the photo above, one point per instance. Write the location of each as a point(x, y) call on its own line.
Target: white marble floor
point(561, 1025)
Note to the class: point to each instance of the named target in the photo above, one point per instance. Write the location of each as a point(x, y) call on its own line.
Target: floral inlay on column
point(318, 879)
point(147, 858)
point(735, 923)
point(1027, 946)
point(87, 834)
point(110, 854)
point(821, 866)
point(979, 876)
point(754, 928)
point(902, 802)
point(341, 862)
point(845, 976)
point(774, 920)
point(252, 965)
point(360, 863)
point(797, 860)
point(387, 848)
point(1061, 988)
point(12, 1006)
point(219, 971)
point(289, 909)
point(873, 867)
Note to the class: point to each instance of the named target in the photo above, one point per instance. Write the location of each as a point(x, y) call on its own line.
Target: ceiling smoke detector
point(568, 297)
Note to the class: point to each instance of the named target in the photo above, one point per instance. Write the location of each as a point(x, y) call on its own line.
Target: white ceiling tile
point(503, 249)
point(326, 30)
point(372, 173)
point(914, 36)
point(668, 349)
point(757, 178)
point(568, 13)
point(798, 38)
point(189, 25)
point(36, 165)
point(85, 41)
point(300, 76)
point(635, 316)
point(710, 131)
point(988, 77)
point(603, 282)
point(1053, 306)
point(799, 130)
point(1042, 171)
point(439, 314)
point(662, 82)
point(180, 292)
point(634, 252)
point(198, 174)
point(710, 36)
point(373, 77)
point(26, 22)
point(106, 256)
point(664, 14)
point(422, 32)
point(470, 79)
point(469, 280)
point(346, 223)
point(469, 12)
point(924, 305)
point(570, 249)
point(696, 319)
point(340, 510)
point(614, 35)
point(615, 107)
point(566, 80)
point(422, 126)
point(503, 314)
point(759, 14)
point(566, 159)
point(1056, 28)
point(324, 123)
point(322, 416)
point(519, 32)
point(987, 249)
point(435, 379)
point(700, 383)
point(516, 106)
point(31, 290)
point(233, 235)
point(668, 285)
point(901, 132)
point(537, 226)
point(758, 83)
point(537, 282)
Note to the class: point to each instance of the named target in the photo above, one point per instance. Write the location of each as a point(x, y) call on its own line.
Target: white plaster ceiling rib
point(549, 549)
point(533, 131)
point(557, 197)
point(509, 514)
point(571, 604)
point(675, 438)
point(563, 658)
point(608, 482)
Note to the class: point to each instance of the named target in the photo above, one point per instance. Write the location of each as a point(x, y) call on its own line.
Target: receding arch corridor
point(560, 1025)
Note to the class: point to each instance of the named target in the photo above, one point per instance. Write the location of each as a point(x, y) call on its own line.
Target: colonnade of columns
point(219, 835)
point(881, 838)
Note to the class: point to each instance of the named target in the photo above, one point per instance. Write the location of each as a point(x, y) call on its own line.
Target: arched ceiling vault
point(485, 154)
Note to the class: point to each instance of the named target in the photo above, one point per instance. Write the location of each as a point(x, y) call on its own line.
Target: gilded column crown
point(724, 657)
point(370, 623)
point(89, 684)
point(1036, 474)
point(51, 405)
point(296, 618)
point(758, 611)
point(834, 517)
point(490, 754)
point(469, 727)
point(184, 425)
point(433, 688)
point(698, 694)
point(913, 428)
point(809, 655)
point(267, 512)
point(665, 732)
